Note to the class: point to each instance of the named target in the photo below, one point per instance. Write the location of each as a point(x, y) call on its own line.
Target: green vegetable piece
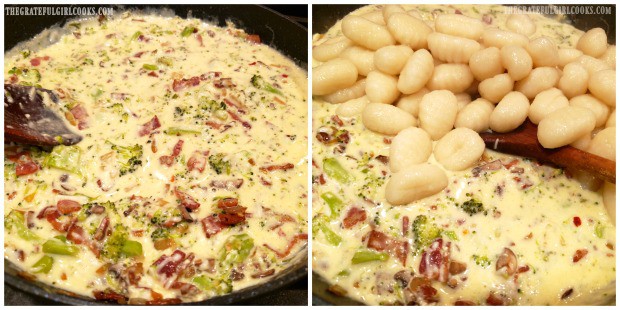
point(135, 35)
point(60, 247)
point(481, 261)
point(599, 230)
point(43, 265)
point(451, 234)
point(175, 131)
point(334, 170)
point(220, 286)
point(129, 157)
point(335, 204)
point(65, 158)
point(320, 223)
point(260, 83)
point(132, 248)
point(236, 249)
point(17, 220)
point(33, 75)
point(472, 206)
point(364, 256)
point(167, 61)
point(150, 67)
point(219, 164)
point(187, 31)
point(424, 232)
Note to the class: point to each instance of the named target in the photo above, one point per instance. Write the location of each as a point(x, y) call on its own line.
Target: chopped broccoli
point(217, 162)
point(129, 157)
point(481, 261)
point(119, 109)
point(118, 244)
point(472, 206)
point(259, 82)
point(424, 232)
point(65, 158)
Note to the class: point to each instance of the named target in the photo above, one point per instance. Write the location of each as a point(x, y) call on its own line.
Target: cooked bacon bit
point(166, 160)
point(324, 137)
point(403, 277)
point(278, 100)
point(97, 209)
point(224, 83)
point(270, 168)
point(210, 75)
point(567, 293)
point(181, 84)
point(21, 256)
point(435, 261)
point(264, 274)
point(253, 38)
point(228, 184)
point(199, 38)
point(523, 269)
point(184, 288)
point(492, 166)
point(577, 221)
point(35, 61)
point(76, 235)
point(239, 119)
point(354, 216)
point(25, 165)
point(457, 267)
point(186, 200)
point(153, 143)
point(197, 162)
point(153, 74)
point(381, 242)
point(165, 301)
point(52, 218)
point(66, 206)
point(507, 259)
point(169, 266)
point(610, 246)
point(337, 120)
point(296, 239)
point(266, 182)
point(137, 233)
point(211, 226)
point(102, 230)
point(495, 300)
point(30, 219)
point(579, 254)
point(80, 114)
point(487, 19)
point(387, 140)
point(458, 12)
point(464, 303)
point(177, 148)
point(421, 287)
point(213, 125)
point(227, 203)
point(149, 126)
point(110, 295)
point(382, 158)
point(184, 214)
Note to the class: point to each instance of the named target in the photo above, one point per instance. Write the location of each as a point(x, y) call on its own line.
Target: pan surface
point(325, 16)
point(274, 29)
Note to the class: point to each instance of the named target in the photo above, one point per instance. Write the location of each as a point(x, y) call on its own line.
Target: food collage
point(310, 154)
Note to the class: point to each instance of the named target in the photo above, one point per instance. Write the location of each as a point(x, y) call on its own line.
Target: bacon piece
point(186, 200)
point(30, 219)
point(228, 184)
point(457, 267)
point(102, 229)
point(149, 126)
point(496, 300)
point(227, 203)
point(197, 162)
point(166, 160)
point(110, 295)
point(421, 288)
point(52, 218)
point(507, 259)
point(80, 114)
point(263, 274)
point(76, 235)
point(134, 273)
point(24, 163)
point(184, 214)
point(405, 225)
point(491, 166)
point(181, 84)
point(199, 38)
point(185, 288)
point(270, 168)
point(168, 267)
point(296, 239)
point(464, 303)
point(35, 61)
point(253, 38)
point(164, 301)
point(239, 119)
point(381, 242)
point(224, 83)
point(211, 226)
point(579, 254)
point(435, 261)
point(66, 206)
point(577, 221)
point(354, 216)
point(213, 125)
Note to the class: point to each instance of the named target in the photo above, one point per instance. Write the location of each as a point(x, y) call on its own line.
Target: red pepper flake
point(577, 221)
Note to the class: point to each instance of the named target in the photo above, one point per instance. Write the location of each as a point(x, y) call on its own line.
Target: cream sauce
point(126, 71)
point(538, 212)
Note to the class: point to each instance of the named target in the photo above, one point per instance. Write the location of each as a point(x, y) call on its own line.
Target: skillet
point(274, 29)
point(325, 16)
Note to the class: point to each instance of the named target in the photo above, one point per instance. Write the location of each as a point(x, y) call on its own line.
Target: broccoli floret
point(481, 261)
point(114, 243)
point(218, 163)
point(119, 109)
point(259, 82)
point(424, 232)
point(129, 157)
point(472, 206)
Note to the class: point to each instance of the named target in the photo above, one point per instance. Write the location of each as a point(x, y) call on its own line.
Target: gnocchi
point(500, 38)
point(438, 111)
point(574, 80)
point(546, 103)
point(475, 116)
point(392, 59)
point(416, 73)
point(517, 61)
point(509, 113)
point(357, 90)
point(352, 107)
point(333, 75)
point(386, 119)
point(486, 63)
point(568, 55)
point(521, 23)
point(381, 87)
point(602, 85)
point(539, 79)
point(409, 30)
point(495, 88)
point(593, 42)
point(598, 108)
point(411, 146)
point(604, 143)
point(459, 26)
point(565, 126)
point(411, 103)
point(414, 183)
point(544, 52)
point(362, 58)
point(453, 77)
point(452, 49)
point(459, 149)
point(366, 33)
point(331, 49)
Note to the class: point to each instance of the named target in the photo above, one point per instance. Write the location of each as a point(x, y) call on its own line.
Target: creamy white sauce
point(531, 212)
point(105, 68)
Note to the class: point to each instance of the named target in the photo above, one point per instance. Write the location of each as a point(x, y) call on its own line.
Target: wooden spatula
point(524, 142)
point(28, 120)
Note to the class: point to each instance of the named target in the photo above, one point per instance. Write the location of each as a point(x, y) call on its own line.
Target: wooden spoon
point(524, 142)
point(28, 120)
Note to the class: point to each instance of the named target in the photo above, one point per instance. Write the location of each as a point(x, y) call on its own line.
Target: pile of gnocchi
point(434, 85)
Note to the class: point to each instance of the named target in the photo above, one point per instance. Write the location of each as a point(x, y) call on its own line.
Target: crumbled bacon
point(264, 274)
point(166, 160)
point(270, 168)
point(296, 239)
point(169, 267)
point(187, 201)
point(577, 221)
point(496, 300)
point(35, 61)
point(354, 215)
point(24, 164)
point(66, 206)
point(464, 303)
point(422, 289)
point(381, 242)
point(102, 229)
point(435, 261)
point(199, 38)
point(177, 148)
point(110, 295)
point(211, 226)
point(239, 119)
point(149, 126)
point(224, 83)
point(457, 267)
point(491, 166)
point(579, 254)
point(76, 235)
point(405, 225)
point(181, 84)
point(227, 184)
point(164, 301)
point(80, 114)
point(253, 38)
point(197, 162)
point(185, 288)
